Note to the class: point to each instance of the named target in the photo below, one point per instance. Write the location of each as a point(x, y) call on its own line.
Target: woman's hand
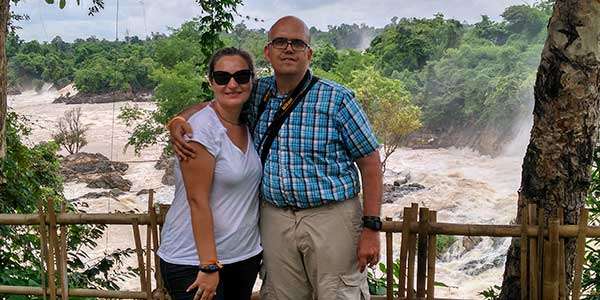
point(206, 283)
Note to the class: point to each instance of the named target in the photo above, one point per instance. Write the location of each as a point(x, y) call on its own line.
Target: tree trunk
point(557, 165)
point(4, 18)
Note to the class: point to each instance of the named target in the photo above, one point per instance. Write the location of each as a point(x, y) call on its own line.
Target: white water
point(462, 185)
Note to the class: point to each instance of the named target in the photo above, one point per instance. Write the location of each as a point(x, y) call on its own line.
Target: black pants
point(235, 280)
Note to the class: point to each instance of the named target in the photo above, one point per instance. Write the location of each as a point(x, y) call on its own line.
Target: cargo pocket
point(354, 287)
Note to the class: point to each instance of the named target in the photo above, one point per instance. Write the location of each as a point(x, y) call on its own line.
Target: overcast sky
point(141, 17)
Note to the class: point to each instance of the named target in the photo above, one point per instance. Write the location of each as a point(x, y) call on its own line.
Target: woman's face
point(228, 91)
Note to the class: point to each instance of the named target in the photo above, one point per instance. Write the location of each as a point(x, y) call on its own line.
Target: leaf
point(50, 1)
point(62, 4)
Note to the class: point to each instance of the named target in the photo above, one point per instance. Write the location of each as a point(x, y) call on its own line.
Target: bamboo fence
point(543, 250)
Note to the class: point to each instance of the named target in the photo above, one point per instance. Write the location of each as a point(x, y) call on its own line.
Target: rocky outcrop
point(393, 192)
point(110, 97)
point(13, 90)
point(169, 176)
point(96, 170)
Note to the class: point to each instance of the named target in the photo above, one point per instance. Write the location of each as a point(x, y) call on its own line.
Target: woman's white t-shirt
point(233, 199)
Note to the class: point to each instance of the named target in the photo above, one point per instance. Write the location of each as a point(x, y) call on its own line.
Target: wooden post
point(422, 252)
point(533, 257)
point(412, 249)
point(149, 250)
point(140, 255)
point(43, 246)
point(523, 258)
point(404, 252)
point(431, 259)
point(540, 251)
point(154, 225)
point(53, 244)
point(389, 258)
point(580, 252)
point(551, 256)
point(64, 280)
point(562, 270)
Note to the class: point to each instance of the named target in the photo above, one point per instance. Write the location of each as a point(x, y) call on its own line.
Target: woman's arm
point(198, 177)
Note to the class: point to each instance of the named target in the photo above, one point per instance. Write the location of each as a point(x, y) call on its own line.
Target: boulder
point(469, 242)
point(169, 176)
point(110, 181)
point(75, 165)
point(392, 192)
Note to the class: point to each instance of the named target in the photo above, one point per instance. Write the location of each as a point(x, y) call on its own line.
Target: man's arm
point(179, 128)
point(372, 183)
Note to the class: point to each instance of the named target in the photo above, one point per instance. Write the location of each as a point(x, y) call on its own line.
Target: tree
point(4, 17)
point(388, 106)
point(71, 131)
point(557, 165)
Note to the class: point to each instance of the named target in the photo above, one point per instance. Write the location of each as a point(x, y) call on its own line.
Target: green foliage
point(325, 57)
point(99, 75)
point(591, 269)
point(388, 106)
point(410, 43)
point(492, 293)
point(524, 19)
point(443, 242)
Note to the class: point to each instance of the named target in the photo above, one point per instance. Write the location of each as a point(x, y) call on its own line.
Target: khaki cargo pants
point(311, 253)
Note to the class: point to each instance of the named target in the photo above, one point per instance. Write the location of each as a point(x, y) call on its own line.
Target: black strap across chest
point(288, 104)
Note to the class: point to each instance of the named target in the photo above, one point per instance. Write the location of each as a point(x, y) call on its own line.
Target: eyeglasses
point(223, 78)
point(282, 43)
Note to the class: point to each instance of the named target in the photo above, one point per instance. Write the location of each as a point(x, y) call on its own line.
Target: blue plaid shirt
point(311, 162)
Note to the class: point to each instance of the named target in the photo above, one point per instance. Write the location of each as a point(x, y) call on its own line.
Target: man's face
point(288, 61)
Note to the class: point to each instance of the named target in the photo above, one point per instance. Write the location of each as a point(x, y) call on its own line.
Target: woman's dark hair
point(230, 51)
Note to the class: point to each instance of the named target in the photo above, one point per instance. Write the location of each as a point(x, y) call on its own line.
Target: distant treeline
point(460, 75)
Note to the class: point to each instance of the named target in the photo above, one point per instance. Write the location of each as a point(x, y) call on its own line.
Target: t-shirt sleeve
point(355, 130)
point(206, 135)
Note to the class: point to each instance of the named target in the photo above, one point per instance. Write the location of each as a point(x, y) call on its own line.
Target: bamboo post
point(523, 258)
point(149, 250)
point(140, 255)
point(422, 252)
point(533, 257)
point(580, 252)
point(562, 270)
point(154, 225)
point(64, 280)
point(43, 246)
point(403, 252)
point(412, 249)
point(389, 257)
point(540, 252)
point(551, 249)
point(431, 259)
point(53, 244)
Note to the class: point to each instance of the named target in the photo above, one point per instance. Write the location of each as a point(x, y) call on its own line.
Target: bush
point(71, 132)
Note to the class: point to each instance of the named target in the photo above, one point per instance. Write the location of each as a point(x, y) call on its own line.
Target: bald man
point(316, 235)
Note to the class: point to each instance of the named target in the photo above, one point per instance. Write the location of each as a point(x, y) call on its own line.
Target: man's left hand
point(368, 249)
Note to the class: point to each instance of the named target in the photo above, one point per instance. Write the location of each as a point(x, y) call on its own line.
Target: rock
point(164, 160)
point(110, 181)
point(169, 176)
point(96, 195)
point(469, 242)
point(392, 192)
point(476, 267)
point(13, 90)
point(75, 165)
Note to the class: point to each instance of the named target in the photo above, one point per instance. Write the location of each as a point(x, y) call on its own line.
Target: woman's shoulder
point(205, 116)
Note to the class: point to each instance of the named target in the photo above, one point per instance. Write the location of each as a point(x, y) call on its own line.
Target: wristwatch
point(211, 268)
point(372, 222)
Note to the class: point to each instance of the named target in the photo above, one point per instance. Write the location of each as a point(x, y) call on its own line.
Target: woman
point(210, 243)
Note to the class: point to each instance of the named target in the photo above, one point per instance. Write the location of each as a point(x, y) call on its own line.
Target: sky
point(141, 17)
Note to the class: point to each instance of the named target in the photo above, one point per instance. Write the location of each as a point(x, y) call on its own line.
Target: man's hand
point(368, 249)
point(178, 130)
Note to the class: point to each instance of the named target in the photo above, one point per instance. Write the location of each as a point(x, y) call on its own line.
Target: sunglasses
point(282, 43)
point(223, 78)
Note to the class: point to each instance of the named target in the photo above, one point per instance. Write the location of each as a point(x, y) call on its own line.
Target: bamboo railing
point(544, 249)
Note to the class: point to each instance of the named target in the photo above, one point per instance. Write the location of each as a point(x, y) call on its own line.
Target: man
point(315, 244)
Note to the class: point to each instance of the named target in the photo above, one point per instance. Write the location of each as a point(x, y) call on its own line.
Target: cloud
point(138, 17)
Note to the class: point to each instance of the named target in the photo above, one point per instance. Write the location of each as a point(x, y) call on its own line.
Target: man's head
point(288, 50)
